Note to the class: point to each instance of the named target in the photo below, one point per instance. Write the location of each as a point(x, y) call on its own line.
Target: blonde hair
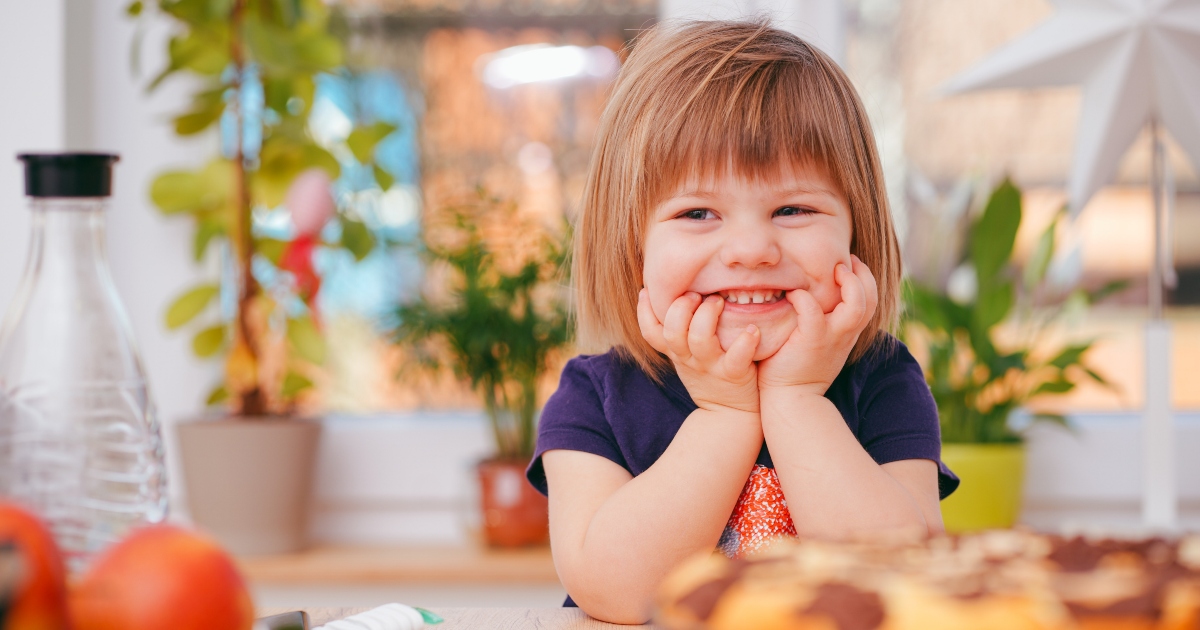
point(695, 100)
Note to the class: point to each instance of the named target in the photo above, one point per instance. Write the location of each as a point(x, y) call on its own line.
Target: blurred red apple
point(41, 598)
point(158, 577)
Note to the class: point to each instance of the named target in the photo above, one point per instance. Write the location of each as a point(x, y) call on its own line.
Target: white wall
point(31, 116)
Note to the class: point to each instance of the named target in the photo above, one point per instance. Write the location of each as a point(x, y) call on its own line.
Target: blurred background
point(505, 95)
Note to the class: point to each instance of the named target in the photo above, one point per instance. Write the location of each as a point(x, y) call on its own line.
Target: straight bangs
point(702, 100)
point(751, 124)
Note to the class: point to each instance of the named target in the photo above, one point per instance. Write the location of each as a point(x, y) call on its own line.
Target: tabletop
point(482, 618)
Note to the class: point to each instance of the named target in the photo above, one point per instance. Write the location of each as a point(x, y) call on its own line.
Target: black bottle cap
point(68, 174)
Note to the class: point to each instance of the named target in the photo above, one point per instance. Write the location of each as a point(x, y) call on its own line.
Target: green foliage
point(976, 381)
point(499, 325)
point(306, 340)
point(357, 239)
point(218, 395)
point(362, 141)
point(186, 307)
point(227, 47)
point(294, 383)
point(207, 342)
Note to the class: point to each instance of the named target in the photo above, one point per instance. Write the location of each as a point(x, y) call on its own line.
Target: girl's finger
point(702, 335)
point(740, 356)
point(677, 322)
point(810, 317)
point(652, 331)
point(870, 286)
point(851, 313)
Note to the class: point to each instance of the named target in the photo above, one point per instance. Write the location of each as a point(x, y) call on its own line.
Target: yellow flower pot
point(990, 495)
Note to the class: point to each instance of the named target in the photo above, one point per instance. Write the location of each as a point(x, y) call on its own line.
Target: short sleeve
point(899, 418)
point(574, 419)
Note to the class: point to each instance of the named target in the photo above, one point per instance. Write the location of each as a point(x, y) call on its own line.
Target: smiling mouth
point(751, 297)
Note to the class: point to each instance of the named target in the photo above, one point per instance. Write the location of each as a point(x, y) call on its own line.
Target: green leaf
point(204, 50)
point(357, 238)
point(207, 107)
point(1003, 363)
point(362, 140)
point(320, 52)
point(174, 192)
point(276, 92)
point(291, 51)
point(282, 159)
point(306, 340)
point(315, 156)
point(194, 122)
point(1096, 376)
point(1071, 355)
point(177, 191)
point(271, 248)
point(294, 383)
point(1054, 418)
point(1099, 378)
point(1116, 286)
point(187, 306)
point(993, 236)
point(134, 9)
point(217, 396)
point(383, 178)
point(206, 231)
point(993, 305)
point(1039, 260)
point(1061, 386)
point(207, 342)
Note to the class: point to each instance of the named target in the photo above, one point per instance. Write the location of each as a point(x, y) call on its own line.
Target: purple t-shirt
point(607, 406)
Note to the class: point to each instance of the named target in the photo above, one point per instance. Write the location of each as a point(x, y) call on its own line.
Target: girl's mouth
point(759, 296)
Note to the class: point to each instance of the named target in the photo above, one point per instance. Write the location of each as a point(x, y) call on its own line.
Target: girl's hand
point(817, 349)
point(715, 379)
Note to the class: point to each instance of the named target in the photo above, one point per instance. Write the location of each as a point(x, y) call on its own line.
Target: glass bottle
point(79, 440)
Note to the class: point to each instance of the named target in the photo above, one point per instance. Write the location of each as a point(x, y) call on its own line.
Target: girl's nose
point(749, 246)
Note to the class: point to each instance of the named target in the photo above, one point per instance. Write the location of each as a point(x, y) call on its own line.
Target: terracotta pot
point(514, 513)
point(249, 480)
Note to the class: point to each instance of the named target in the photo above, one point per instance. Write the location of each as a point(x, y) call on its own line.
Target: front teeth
point(756, 297)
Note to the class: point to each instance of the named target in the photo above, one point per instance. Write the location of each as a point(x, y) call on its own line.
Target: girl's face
point(749, 241)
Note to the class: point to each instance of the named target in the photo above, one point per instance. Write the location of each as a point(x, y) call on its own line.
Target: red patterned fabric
point(760, 515)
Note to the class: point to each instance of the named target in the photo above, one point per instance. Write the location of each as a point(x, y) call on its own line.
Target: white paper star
point(1138, 60)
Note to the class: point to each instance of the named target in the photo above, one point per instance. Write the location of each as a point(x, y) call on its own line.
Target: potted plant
point(496, 322)
point(979, 377)
point(252, 67)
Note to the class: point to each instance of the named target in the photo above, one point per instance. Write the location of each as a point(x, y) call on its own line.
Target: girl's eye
point(696, 214)
point(791, 211)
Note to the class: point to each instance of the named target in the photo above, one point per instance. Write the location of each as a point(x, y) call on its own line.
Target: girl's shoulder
point(609, 371)
point(887, 357)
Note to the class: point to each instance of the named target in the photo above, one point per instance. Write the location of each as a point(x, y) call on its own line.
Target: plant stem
point(253, 403)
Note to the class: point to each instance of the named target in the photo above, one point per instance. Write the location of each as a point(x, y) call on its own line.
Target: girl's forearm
point(676, 508)
point(833, 488)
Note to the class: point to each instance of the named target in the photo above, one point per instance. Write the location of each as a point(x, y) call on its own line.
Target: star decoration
point(1138, 61)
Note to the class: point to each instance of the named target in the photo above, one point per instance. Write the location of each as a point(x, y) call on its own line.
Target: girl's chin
point(774, 335)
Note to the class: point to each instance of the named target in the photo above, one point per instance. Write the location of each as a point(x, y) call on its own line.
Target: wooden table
point(483, 618)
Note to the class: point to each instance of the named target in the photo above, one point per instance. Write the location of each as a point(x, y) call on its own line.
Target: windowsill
point(344, 564)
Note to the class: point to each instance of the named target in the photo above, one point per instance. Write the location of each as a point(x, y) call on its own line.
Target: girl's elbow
point(623, 617)
point(629, 611)
point(609, 603)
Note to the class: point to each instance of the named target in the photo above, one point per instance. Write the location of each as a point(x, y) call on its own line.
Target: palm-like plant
point(499, 324)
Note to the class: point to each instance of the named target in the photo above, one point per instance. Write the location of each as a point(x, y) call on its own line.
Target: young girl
point(735, 256)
